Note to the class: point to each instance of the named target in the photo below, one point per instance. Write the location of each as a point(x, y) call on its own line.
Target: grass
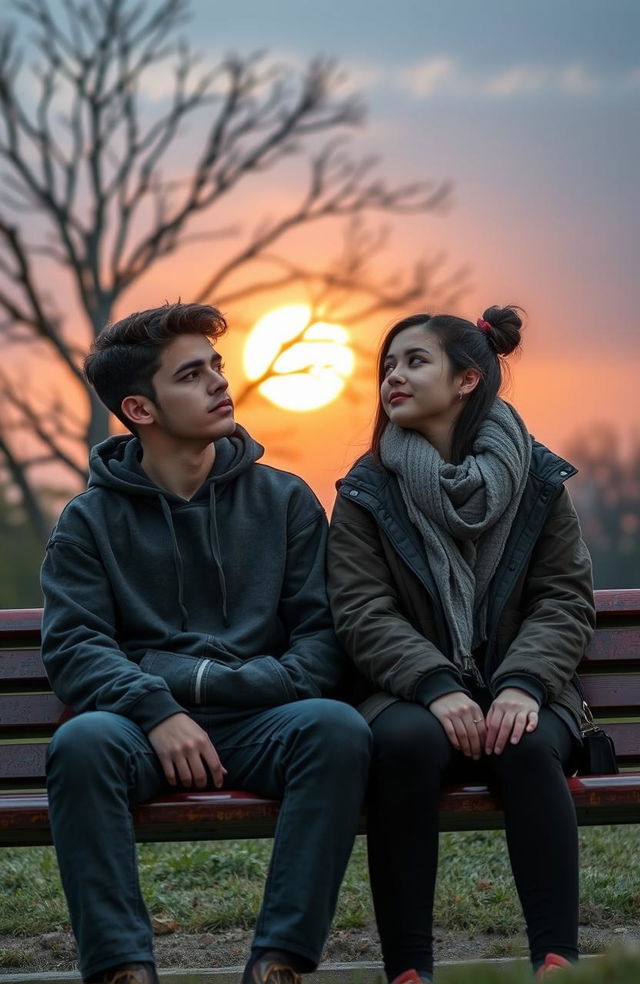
point(206, 886)
point(10, 957)
point(615, 968)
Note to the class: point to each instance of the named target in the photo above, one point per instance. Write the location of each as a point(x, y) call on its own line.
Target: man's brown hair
point(126, 355)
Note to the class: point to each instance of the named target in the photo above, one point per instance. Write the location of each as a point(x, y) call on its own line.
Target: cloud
point(445, 75)
point(518, 80)
point(575, 78)
point(424, 78)
point(437, 75)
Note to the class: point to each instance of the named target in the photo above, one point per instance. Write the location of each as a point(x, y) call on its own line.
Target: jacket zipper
point(470, 669)
point(198, 684)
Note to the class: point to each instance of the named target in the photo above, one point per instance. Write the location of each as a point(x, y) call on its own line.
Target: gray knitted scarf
point(463, 513)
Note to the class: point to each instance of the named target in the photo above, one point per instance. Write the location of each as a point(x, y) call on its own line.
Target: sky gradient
point(531, 109)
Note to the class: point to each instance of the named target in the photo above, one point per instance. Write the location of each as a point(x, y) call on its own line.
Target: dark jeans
point(412, 757)
point(312, 754)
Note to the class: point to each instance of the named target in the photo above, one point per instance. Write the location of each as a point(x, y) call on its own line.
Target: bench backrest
point(30, 713)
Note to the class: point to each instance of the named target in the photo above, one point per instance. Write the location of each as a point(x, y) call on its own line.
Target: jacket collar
point(369, 475)
point(549, 466)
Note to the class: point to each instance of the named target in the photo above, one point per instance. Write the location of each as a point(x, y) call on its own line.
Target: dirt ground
point(56, 952)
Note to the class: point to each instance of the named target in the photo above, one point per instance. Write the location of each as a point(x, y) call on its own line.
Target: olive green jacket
point(389, 618)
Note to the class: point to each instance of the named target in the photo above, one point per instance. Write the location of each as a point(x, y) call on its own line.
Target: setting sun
point(303, 365)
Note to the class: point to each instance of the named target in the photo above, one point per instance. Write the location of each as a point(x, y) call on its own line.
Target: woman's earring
point(460, 395)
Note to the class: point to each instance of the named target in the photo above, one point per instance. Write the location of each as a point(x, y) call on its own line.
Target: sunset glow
point(303, 365)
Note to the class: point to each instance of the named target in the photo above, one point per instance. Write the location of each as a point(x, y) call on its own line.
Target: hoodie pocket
point(184, 675)
point(197, 681)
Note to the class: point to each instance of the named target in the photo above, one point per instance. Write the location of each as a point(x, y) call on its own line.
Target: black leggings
point(411, 758)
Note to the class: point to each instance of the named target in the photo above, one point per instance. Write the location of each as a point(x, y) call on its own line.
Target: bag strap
point(589, 724)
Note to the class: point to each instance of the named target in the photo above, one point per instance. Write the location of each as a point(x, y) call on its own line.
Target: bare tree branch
point(93, 200)
point(30, 500)
point(341, 284)
point(47, 430)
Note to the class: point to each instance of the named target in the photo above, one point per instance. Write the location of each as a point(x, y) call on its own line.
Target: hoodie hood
point(116, 464)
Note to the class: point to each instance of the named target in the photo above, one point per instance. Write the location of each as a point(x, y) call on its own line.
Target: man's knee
point(337, 730)
point(87, 740)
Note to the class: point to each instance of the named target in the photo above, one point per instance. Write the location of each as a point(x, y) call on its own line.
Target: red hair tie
point(484, 326)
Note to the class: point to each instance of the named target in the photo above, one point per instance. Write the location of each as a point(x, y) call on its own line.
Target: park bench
point(30, 713)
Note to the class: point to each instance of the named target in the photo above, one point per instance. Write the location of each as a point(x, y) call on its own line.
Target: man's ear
point(469, 379)
point(140, 410)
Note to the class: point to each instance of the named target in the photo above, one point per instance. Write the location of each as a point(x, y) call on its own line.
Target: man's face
point(192, 398)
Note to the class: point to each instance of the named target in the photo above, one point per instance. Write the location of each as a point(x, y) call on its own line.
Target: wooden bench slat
point(28, 711)
point(26, 763)
point(25, 622)
point(613, 645)
point(22, 763)
point(22, 666)
point(623, 602)
point(20, 626)
point(618, 691)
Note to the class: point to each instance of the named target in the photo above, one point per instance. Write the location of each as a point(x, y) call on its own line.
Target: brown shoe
point(135, 973)
point(270, 971)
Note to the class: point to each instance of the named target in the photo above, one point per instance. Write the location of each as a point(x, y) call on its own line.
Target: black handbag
point(597, 753)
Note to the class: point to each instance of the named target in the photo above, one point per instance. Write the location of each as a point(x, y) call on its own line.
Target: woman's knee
point(536, 751)
point(407, 737)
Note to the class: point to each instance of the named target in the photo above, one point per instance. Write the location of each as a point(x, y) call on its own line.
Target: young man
point(186, 622)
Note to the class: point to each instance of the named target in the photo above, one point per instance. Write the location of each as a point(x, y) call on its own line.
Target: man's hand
point(186, 752)
point(511, 714)
point(462, 720)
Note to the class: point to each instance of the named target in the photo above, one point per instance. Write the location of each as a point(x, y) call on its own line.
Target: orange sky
point(557, 401)
point(574, 373)
point(560, 385)
point(566, 379)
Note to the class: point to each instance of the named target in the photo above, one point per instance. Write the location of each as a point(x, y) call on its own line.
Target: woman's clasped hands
point(512, 713)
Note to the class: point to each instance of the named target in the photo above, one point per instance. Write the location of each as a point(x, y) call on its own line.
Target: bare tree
point(606, 492)
point(96, 195)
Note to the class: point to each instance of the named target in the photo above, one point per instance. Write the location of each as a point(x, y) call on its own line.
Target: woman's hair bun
point(506, 326)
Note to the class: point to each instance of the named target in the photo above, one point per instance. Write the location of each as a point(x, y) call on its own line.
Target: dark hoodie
point(155, 604)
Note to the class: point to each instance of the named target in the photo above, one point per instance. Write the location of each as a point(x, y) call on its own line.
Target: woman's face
point(418, 390)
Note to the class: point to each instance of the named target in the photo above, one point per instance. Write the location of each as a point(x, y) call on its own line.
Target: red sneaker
point(552, 962)
point(410, 977)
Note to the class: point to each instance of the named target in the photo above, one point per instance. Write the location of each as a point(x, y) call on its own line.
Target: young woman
point(462, 590)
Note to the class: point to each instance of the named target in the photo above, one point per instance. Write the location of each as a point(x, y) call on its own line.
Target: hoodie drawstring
point(177, 560)
point(214, 542)
point(215, 550)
